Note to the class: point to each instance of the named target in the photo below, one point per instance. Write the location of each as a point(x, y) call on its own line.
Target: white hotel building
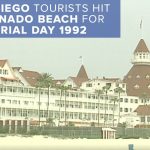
point(19, 99)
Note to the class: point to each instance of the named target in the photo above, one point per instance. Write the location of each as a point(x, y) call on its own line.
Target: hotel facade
point(81, 105)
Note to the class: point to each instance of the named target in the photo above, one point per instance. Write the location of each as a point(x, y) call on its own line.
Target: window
point(108, 84)
point(147, 76)
point(136, 86)
point(9, 101)
point(0, 71)
point(2, 100)
point(80, 115)
point(121, 99)
point(69, 86)
point(117, 84)
point(93, 116)
point(136, 100)
point(126, 110)
point(14, 102)
point(30, 91)
point(140, 55)
point(106, 97)
point(5, 72)
point(126, 100)
point(123, 85)
point(75, 115)
point(89, 105)
point(148, 119)
point(93, 106)
point(120, 109)
point(142, 119)
point(88, 85)
point(85, 105)
point(26, 102)
point(138, 76)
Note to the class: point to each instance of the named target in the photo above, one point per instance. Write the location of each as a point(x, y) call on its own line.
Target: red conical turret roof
point(82, 73)
point(141, 47)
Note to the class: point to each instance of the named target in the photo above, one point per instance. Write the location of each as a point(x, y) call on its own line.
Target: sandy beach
point(47, 143)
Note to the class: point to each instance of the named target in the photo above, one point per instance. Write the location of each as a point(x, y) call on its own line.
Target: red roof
point(141, 47)
point(57, 81)
point(77, 81)
point(143, 110)
point(81, 76)
point(138, 75)
point(2, 63)
point(82, 73)
point(30, 76)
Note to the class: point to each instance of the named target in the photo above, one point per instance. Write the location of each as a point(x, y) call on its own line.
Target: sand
point(48, 143)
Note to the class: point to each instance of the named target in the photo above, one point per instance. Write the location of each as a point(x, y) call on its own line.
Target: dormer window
point(148, 86)
point(138, 76)
point(136, 86)
point(147, 76)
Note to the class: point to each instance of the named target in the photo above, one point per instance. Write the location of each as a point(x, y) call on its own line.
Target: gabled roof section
point(82, 73)
point(59, 82)
point(77, 81)
point(17, 68)
point(141, 47)
point(143, 110)
point(2, 63)
point(30, 76)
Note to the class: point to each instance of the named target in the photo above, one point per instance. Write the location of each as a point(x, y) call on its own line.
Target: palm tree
point(50, 122)
point(105, 90)
point(114, 100)
point(65, 88)
point(39, 86)
point(45, 81)
point(61, 93)
point(98, 92)
point(119, 90)
point(145, 97)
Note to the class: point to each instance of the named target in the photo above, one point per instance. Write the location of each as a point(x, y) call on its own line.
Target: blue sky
point(102, 57)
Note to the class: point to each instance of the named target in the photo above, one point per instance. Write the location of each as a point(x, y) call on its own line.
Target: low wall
point(132, 133)
point(69, 132)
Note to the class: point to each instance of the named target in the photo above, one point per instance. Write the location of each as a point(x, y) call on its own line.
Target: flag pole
point(81, 58)
point(141, 27)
